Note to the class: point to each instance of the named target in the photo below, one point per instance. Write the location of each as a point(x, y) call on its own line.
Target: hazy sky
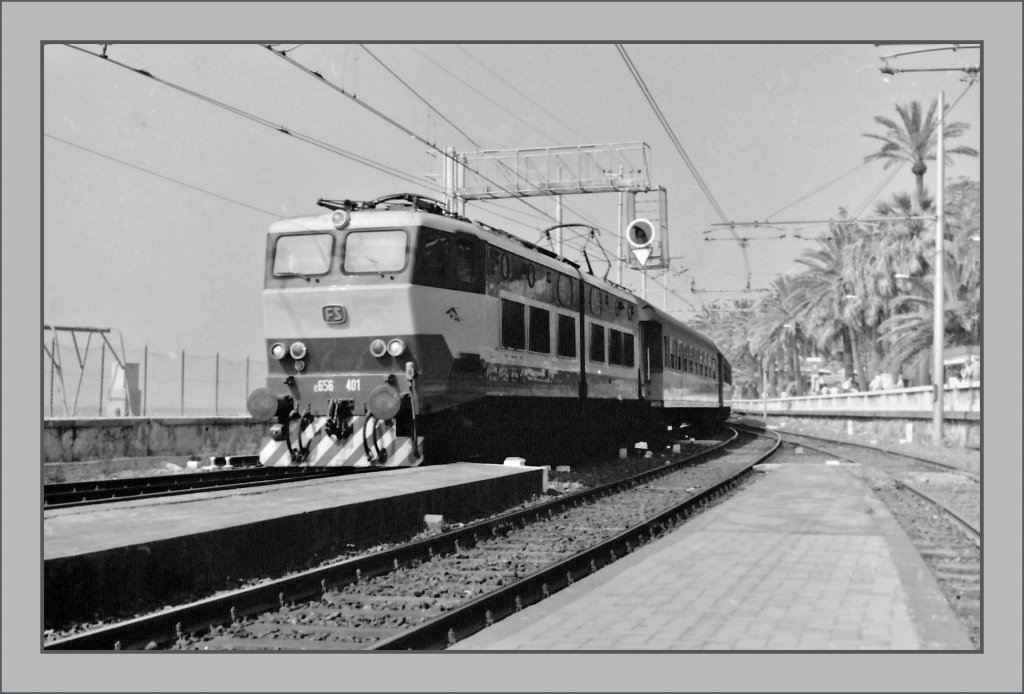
point(178, 263)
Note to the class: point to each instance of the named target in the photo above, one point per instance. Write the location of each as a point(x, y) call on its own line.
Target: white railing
point(961, 399)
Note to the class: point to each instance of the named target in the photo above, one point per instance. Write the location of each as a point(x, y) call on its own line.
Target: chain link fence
point(80, 382)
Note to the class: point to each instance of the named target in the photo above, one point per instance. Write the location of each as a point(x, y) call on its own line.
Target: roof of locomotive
point(406, 215)
point(374, 215)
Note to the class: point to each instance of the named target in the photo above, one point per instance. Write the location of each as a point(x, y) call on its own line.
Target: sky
point(157, 202)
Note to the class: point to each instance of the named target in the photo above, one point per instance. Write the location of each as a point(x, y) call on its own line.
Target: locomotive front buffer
point(375, 426)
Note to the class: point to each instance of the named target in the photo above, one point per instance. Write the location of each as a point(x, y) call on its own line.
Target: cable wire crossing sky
point(164, 164)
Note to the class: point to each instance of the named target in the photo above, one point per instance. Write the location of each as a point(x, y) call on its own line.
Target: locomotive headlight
point(340, 219)
point(378, 348)
point(396, 347)
point(297, 350)
point(299, 365)
point(278, 350)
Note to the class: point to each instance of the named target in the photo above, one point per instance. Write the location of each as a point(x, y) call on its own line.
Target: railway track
point(955, 492)
point(435, 591)
point(69, 494)
point(877, 449)
point(914, 489)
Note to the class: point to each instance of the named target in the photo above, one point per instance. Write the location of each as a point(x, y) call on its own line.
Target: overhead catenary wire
point(638, 78)
point(365, 161)
point(856, 216)
point(159, 175)
point(395, 123)
point(568, 127)
point(480, 93)
point(380, 114)
point(462, 132)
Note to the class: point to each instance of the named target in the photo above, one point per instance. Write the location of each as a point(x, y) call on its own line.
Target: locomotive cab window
point(628, 350)
point(464, 261)
point(566, 336)
point(540, 330)
point(430, 267)
point(303, 254)
point(614, 347)
point(596, 342)
point(513, 324)
point(375, 251)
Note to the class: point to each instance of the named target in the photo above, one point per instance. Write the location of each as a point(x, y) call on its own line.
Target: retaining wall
point(67, 440)
point(889, 416)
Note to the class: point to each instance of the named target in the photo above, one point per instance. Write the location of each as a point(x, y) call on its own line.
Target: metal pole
point(643, 283)
point(216, 384)
point(618, 275)
point(145, 377)
point(939, 327)
point(246, 393)
point(664, 304)
point(182, 382)
point(103, 358)
point(558, 220)
point(53, 367)
point(764, 391)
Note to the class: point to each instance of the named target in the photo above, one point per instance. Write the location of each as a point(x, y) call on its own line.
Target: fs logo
point(334, 314)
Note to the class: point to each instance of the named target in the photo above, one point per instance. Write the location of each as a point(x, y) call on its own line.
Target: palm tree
point(909, 328)
point(823, 298)
point(913, 140)
point(774, 334)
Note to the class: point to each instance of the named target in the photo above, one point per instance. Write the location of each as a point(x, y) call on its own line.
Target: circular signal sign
point(640, 233)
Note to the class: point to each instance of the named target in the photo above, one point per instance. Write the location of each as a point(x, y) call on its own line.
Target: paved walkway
point(807, 558)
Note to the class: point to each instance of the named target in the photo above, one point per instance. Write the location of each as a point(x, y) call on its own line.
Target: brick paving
point(805, 559)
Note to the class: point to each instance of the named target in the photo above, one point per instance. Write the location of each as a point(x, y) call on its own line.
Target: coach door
point(650, 355)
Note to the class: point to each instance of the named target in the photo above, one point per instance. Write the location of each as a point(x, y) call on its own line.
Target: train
point(399, 333)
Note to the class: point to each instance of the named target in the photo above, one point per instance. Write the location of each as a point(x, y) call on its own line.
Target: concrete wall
point(890, 416)
point(103, 439)
point(957, 401)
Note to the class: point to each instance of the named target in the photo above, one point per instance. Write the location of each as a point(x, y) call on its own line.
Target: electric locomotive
point(398, 332)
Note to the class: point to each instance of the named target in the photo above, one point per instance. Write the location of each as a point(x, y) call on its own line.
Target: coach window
point(667, 360)
point(513, 324)
point(596, 342)
point(540, 330)
point(375, 251)
point(566, 336)
point(628, 350)
point(614, 347)
point(303, 254)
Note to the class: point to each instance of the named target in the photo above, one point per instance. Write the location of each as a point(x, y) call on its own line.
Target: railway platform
point(111, 557)
point(805, 559)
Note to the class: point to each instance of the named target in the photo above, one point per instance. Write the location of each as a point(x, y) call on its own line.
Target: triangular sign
point(641, 255)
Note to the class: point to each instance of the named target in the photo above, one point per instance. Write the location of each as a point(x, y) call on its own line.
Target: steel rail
point(877, 449)
point(163, 628)
point(970, 530)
